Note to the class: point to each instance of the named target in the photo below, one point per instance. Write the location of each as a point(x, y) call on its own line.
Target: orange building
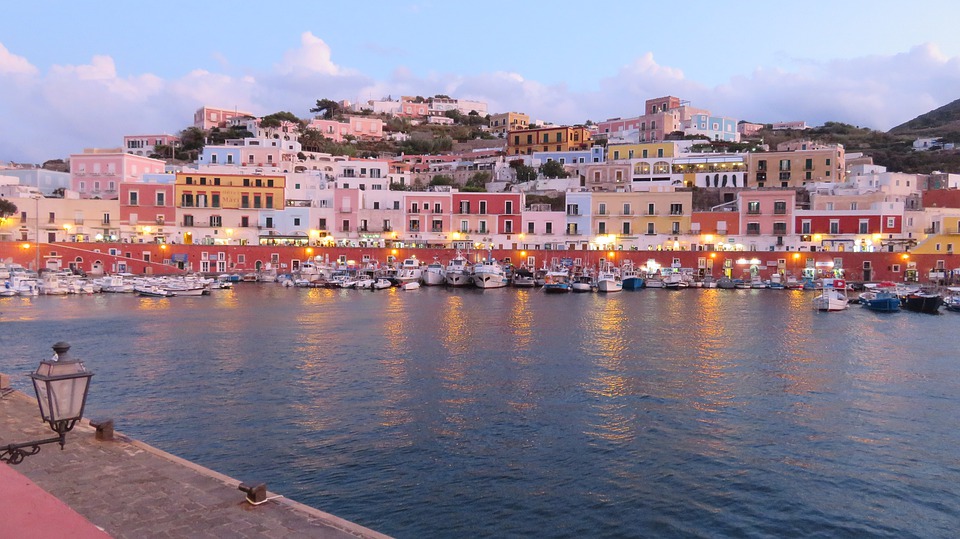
point(548, 139)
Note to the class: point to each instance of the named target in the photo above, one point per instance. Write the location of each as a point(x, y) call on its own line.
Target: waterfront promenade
point(129, 489)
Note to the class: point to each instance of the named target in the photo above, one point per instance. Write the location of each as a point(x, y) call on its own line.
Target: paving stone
point(135, 491)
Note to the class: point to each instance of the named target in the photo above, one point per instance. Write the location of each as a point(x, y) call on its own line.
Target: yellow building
point(644, 220)
point(648, 150)
point(501, 124)
point(547, 139)
point(229, 191)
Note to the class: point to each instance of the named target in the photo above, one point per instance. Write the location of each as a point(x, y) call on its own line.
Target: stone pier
point(129, 489)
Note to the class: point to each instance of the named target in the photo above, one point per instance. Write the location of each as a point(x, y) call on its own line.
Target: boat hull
point(922, 303)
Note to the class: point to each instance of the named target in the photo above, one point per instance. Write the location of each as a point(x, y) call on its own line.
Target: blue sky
point(78, 74)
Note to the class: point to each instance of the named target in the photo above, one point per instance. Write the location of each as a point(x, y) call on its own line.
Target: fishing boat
point(490, 274)
point(557, 281)
point(833, 297)
point(922, 302)
point(410, 285)
point(583, 283)
point(608, 279)
point(152, 291)
point(632, 280)
point(434, 274)
point(457, 272)
point(881, 301)
point(409, 271)
point(523, 278)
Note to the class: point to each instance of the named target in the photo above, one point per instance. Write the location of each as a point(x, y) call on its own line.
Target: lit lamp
point(61, 385)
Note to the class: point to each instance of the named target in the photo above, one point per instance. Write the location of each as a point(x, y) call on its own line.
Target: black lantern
point(61, 385)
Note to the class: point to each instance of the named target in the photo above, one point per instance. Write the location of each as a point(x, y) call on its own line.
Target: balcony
point(753, 212)
point(626, 213)
point(649, 213)
point(753, 232)
point(779, 211)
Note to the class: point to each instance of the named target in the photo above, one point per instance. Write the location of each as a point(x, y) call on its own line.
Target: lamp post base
point(15, 453)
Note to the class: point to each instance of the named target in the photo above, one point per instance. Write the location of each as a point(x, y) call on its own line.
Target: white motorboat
point(434, 274)
point(409, 271)
point(523, 278)
point(410, 285)
point(608, 279)
point(457, 272)
point(833, 297)
point(490, 274)
point(152, 291)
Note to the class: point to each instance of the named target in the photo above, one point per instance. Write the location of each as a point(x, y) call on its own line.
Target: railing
point(753, 212)
point(649, 213)
point(780, 211)
point(751, 232)
point(436, 229)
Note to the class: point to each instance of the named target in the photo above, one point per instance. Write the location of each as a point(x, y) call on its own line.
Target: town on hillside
point(675, 178)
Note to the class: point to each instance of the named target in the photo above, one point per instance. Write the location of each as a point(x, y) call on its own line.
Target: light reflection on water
point(459, 412)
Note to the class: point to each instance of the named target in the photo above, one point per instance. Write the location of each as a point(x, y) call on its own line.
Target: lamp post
point(61, 385)
point(36, 200)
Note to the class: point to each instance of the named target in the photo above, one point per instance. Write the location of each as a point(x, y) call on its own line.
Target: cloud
point(313, 56)
point(11, 64)
point(46, 115)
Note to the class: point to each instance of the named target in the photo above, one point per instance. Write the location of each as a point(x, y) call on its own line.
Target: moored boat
point(881, 301)
point(922, 302)
point(557, 281)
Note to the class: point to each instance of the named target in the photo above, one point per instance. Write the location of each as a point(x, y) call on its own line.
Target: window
point(483, 227)
point(187, 220)
point(530, 228)
point(625, 229)
point(780, 207)
point(244, 201)
point(651, 209)
point(508, 207)
point(753, 207)
point(753, 229)
point(602, 209)
point(784, 164)
point(244, 221)
point(676, 209)
point(296, 221)
point(864, 226)
point(216, 221)
point(626, 209)
point(257, 201)
point(464, 226)
point(675, 227)
point(805, 227)
point(508, 227)
point(853, 205)
point(549, 228)
point(650, 229)
point(780, 229)
point(834, 226)
point(601, 227)
point(269, 201)
point(134, 198)
point(215, 200)
point(464, 206)
point(268, 222)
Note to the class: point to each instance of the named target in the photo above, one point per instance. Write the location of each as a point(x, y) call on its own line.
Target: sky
point(77, 75)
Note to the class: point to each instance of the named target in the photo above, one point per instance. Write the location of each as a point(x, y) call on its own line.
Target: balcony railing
point(751, 232)
point(753, 212)
point(779, 211)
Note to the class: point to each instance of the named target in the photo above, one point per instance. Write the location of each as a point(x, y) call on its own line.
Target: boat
point(557, 281)
point(410, 285)
point(152, 291)
point(952, 302)
point(523, 278)
point(380, 283)
point(671, 278)
point(833, 297)
point(776, 282)
point(726, 283)
point(583, 283)
point(457, 272)
point(434, 274)
point(608, 279)
point(490, 274)
point(881, 301)
point(409, 271)
point(791, 283)
point(632, 280)
point(708, 282)
point(922, 302)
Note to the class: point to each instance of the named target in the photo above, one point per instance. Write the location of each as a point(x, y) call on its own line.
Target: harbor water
point(513, 413)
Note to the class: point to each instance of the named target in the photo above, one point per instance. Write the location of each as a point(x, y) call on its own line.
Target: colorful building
point(211, 206)
point(98, 173)
point(548, 139)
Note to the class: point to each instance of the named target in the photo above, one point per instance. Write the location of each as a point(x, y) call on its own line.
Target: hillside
point(943, 122)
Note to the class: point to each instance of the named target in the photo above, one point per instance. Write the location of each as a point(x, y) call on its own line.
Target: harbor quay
point(162, 258)
point(126, 488)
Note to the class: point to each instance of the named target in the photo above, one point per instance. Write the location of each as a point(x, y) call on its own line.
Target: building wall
point(796, 168)
point(98, 173)
point(209, 117)
point(548, 139)
point(501, 124)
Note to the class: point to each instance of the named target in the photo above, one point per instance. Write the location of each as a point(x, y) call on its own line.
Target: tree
point(277, 118)
point(478, 181)
point(553, 169)
point(442, 179)
point(7, 208)
point(524, 173)
point(328, 107)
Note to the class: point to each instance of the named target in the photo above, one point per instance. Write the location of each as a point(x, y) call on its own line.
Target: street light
point(61, 385)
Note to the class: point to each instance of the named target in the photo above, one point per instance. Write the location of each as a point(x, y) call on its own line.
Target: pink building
point(99, 173)
point(661, 117)
point(768, 214)
point(209, 117)
point(428, 216)
point(411, 109)
point(145, 144)
point(361, 127)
